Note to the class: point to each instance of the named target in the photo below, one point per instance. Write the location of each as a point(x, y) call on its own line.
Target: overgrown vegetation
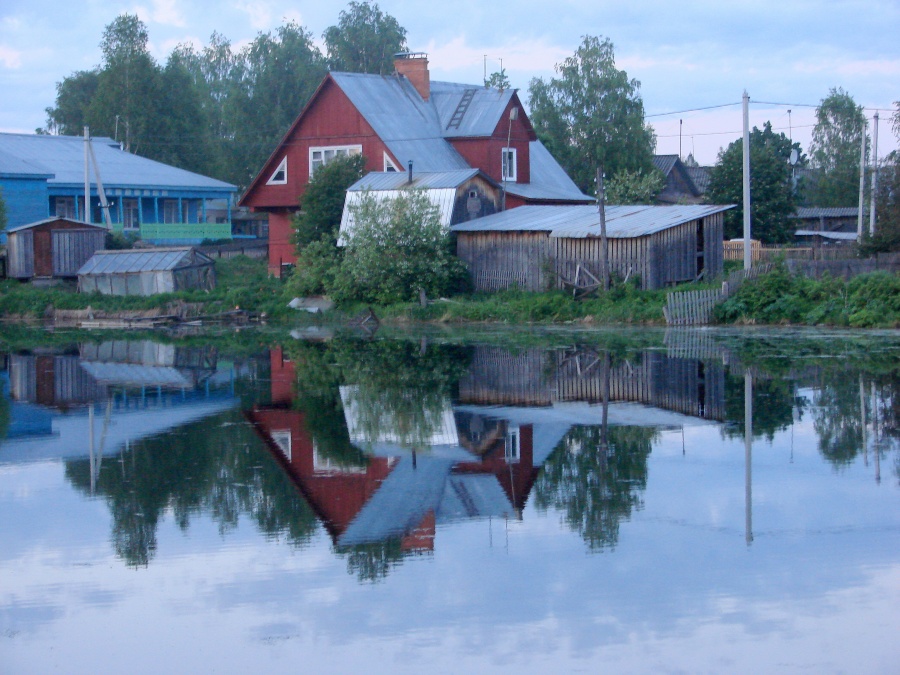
point(867, 301)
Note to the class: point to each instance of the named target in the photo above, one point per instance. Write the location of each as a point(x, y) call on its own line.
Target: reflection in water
point(383, 442)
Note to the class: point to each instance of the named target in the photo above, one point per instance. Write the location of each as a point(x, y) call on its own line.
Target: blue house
point(44, 176)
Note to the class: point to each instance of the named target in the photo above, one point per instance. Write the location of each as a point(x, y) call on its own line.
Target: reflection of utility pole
point(604, 429)
point(875, 448)
point(862, 415)
point(748, 444)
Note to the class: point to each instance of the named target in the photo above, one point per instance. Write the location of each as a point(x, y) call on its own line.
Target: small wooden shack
point(147, 271)
point(538, 248)
point(52, 248)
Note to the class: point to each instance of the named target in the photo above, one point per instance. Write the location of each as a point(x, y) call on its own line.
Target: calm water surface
point(588, 502)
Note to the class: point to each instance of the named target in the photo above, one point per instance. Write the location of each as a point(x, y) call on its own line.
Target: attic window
point(388, 164)
point(508, 163)
point(279, 176)
point(319, 157)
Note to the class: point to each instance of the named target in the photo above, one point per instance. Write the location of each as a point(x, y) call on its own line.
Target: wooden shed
point(147, 271)
point(56, 247)
point(538, 248)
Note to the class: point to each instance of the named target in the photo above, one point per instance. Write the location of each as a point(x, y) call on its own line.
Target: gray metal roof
point(12, 166)
point(394, 180)
point(63, 158)
point(584, 221)
point(665, 163)
point(28, 226)
point(484, 111)
point(826, 212)
point(140, 260)
point(837, 236)
point(548, 179)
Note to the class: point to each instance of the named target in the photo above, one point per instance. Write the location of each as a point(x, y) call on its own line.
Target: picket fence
point(695, 308)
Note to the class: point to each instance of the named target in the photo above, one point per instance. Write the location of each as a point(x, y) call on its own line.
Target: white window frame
point(64, 207)
point(131, 213)
point(389, 164)
point(320, 155)
point(170, 211)
point(508, 160)
point(281, 169)
point(512, 445)
point(282, 439)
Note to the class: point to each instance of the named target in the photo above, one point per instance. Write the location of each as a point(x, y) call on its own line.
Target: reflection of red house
point(401, 119)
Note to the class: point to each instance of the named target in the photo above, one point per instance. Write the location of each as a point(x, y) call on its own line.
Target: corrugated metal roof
point(584, 221)
point(63, 157)
point(665, 163)
point(14, 166)
point(138, 260)
point(443, 198)
point(548, 179)
point(826, 212)
point(837, 236)
point(700, 176)
point(482, 114)
point(395, 180)
point(28, 226)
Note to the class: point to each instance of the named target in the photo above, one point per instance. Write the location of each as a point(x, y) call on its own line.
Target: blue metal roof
point(140, 260)
point(584, 221)
point(28, 226)
point(62, 157)
point(12, 166)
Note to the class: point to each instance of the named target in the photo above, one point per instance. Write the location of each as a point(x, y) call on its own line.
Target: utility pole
point(862, 181)
point(746, 106)
point(679, 138)
point(604, 243)
point(86, 207)
point(874, 176)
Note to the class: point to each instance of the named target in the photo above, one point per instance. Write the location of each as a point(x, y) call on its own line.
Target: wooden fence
point(734, 250)
point(252, 248)
point(694, 308)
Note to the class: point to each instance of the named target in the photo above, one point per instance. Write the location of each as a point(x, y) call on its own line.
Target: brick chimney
point(414, 67)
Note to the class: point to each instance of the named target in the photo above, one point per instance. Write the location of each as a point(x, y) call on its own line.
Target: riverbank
point(245, 293)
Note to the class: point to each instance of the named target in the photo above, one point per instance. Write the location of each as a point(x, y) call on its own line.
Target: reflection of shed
point(536, 247)
point(55, 247)
point(147, 271)
point(459, 196)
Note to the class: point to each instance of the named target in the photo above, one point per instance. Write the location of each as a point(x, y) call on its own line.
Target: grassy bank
point(868, 301)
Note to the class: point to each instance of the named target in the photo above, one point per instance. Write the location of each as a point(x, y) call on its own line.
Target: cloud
point(10, 58)
point(259, 12)
point(518, 54)
point(164, 12)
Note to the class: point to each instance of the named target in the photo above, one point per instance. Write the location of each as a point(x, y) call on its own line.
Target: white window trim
point(389, 164)
point(505, 167)
point(282, 167)
point(336, 150)
point(282, 438)
point(512, 446)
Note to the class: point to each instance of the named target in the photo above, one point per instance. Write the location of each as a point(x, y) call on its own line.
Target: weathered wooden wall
point(500, 260)
point(72, 248)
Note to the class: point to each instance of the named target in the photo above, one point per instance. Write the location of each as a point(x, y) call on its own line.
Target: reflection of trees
point(773, 406)
point(373, 562)
point(596, 490)
point(212, 466)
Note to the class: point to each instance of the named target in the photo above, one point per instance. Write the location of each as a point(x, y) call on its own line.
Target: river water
point(508, 501)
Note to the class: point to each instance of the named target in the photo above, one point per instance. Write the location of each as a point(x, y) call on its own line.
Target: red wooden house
point(400, 119)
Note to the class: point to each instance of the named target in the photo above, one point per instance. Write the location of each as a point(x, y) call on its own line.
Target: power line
point(679, 112)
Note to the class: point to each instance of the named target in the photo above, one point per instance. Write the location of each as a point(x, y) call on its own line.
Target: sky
point(689, 55)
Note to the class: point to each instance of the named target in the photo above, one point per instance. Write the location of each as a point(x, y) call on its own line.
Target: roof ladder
point(460, 111)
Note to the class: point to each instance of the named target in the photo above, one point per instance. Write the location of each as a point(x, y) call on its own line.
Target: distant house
point(540, 247)
point(460, 196)
point(396, 119)
point(826, 226)
point(681, 181)
point(52, 248)
point(44, 176)
point(147, 271)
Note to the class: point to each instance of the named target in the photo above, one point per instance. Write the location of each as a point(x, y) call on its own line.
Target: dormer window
point(508, 163)
point(389, 164)
point(279, 176)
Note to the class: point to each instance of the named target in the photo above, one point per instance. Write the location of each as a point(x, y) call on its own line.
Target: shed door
point(21, 254)
point(73, 248)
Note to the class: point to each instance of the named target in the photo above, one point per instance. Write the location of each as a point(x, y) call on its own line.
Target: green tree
point(73, 98)
point(635, 187)
point(323, 202)
point(276, 76)
point(835, 151)
point(771, 192)
point(592, 115)
point(129, 88)
point(498, 80)
point(364, 40)
point(396, 248)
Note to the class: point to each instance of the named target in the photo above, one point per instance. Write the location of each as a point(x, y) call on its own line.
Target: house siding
point(26, 199)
